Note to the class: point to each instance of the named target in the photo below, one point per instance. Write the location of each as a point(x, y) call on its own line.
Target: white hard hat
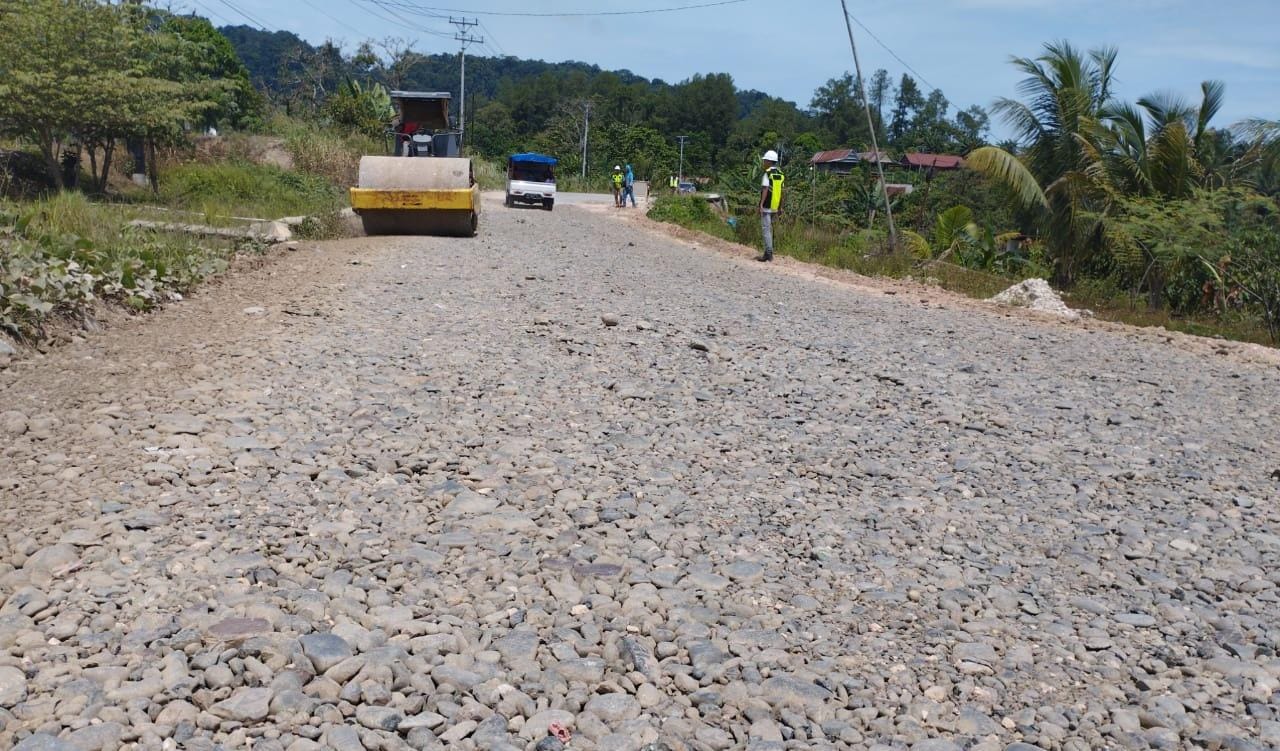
point(616, 167)
point(770, 156)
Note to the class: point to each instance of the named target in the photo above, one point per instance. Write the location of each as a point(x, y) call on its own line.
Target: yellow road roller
point(426, 187)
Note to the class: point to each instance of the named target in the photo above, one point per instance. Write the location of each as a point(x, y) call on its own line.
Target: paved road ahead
point(417, 492)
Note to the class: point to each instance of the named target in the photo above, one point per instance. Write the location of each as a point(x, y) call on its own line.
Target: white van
point(531, 179)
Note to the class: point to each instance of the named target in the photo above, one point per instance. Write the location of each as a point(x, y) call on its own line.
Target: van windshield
point(533, 173)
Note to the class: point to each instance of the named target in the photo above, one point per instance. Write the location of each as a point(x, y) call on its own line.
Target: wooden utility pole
point(875, 145)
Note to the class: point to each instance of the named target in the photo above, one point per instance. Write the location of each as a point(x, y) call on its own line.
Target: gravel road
point(425, 493)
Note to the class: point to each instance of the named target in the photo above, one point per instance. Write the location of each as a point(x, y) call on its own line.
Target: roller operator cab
point(425, 187)
point(531, 179)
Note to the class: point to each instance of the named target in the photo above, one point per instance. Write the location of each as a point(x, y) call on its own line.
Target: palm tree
point(1082, 150)
point(1065, 92)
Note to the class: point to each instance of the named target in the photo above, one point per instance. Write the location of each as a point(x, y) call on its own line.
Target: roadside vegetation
point(1149, 211)
point(68, 242)
point(1145, 213)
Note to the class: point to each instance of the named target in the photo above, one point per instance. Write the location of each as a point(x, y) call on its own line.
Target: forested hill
point(519, 104)
point(270, 56)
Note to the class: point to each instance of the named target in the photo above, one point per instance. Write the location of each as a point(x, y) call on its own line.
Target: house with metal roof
point(932, 162)
point(835, 161)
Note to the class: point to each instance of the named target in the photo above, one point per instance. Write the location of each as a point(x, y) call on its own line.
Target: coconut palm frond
point(1212, 95)
point(1005, 168)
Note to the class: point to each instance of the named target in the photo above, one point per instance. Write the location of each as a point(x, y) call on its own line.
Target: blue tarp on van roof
point(534, 158)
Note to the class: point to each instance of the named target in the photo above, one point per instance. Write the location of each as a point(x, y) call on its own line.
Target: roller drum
point(416, 196)
point(414, 173)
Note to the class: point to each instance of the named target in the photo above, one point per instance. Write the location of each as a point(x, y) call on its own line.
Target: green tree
point(492, 131)
point(708, 105)
point(81, 69)
point(361, 108)
point(906, 106)
point(839, 111)
point(208, 56)
point(1066, 91)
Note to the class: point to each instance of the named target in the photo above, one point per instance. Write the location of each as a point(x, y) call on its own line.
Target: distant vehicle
point(686, 186)
point(531, 179)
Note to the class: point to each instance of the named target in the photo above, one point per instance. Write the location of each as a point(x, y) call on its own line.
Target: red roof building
point(837, 161)
point(933, 161)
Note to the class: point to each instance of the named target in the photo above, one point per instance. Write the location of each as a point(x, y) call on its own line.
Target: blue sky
point(790, 48)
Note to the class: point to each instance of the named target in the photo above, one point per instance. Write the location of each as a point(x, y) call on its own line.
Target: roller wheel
point(443, 223)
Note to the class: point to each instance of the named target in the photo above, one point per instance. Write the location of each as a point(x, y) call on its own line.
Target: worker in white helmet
point(770, 200)
point(616, 181)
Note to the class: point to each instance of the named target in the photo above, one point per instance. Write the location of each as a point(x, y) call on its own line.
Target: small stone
point(610, 320)
point(378, 718)
point(13, 686)
point(245, 705)
point(44, 742)
point(613, 708)
point(581, 669)
point(325, 650)
point(236, 629)
point(52, 558)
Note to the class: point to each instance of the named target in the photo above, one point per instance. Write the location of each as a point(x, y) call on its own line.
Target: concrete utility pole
point(875, 146)
point(465, 38)
point(680, 173)
point(586, 132)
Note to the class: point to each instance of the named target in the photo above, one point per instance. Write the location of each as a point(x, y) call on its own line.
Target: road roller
point(426, 187)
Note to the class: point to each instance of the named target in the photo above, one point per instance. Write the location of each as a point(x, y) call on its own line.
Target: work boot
point(766, 258)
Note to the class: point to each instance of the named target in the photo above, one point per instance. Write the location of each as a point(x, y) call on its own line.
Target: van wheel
point(548, 204)
point(509, 203)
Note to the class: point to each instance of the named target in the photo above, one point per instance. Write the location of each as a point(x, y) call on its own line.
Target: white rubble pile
point(1037, 295)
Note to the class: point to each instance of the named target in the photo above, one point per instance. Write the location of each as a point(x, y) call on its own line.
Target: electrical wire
point(201, 6)
point(399, 20)
point(246, 16)
point(905, 64)
point(331, 17)
point(567, 14)
point(488, 34)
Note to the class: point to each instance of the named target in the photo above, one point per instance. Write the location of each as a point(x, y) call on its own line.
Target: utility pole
point(465, 38)
point(680, 173)
point(586, 132)
point(875, 146)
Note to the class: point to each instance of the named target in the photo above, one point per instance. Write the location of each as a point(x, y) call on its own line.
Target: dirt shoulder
point(917, 293)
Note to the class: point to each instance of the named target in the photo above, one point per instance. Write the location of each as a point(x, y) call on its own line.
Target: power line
point(331, 17)
point(872, 34)
point(248, 17)
point(568, 14)
point(211, 12)
point(399, 20)
point(489, 34)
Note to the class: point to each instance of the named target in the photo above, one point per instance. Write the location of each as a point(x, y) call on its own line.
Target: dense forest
point(515, 104)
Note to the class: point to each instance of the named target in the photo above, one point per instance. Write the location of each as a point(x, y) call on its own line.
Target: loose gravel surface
point(573, 480)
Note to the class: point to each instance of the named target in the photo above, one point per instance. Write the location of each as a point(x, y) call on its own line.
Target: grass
point(243, 189)
point(861, 251)
point(62, 254)
point(1110, 305)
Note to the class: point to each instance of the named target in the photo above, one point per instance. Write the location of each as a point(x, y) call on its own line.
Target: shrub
point(683, 210)
point(244, 189)
point(58, 256)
